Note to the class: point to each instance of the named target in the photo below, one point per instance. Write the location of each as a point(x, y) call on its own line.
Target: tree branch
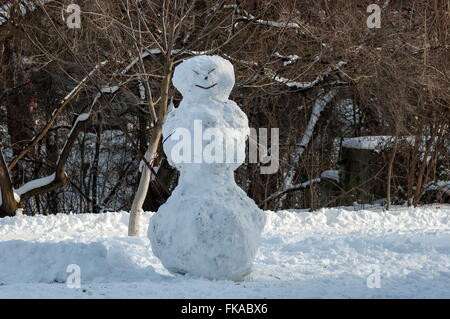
point(54, 115)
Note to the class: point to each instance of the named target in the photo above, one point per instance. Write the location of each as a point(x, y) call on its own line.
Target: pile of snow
point(48, 262)
point(329, 253)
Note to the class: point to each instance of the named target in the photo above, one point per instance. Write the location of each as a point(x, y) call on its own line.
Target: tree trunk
point(45, 94)
point(150, 155)
point(389, 177)
point(9, 204)
point(98, 141)
point(19, 107)
point(144, 182)
point(157, 195)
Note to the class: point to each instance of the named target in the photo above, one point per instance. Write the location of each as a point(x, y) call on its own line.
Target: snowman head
point(204, 76)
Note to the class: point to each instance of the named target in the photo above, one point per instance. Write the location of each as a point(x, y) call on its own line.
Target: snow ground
point(329, 253)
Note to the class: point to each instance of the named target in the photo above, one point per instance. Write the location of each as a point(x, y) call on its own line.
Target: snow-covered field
point(329, 253)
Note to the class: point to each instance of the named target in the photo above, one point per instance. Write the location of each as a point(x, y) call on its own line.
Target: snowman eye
point(212, 70)
point(195, 72)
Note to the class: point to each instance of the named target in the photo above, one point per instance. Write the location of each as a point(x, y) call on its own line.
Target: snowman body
point(208, 227)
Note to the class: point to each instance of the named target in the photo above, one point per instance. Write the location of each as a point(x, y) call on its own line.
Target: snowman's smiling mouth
point(206, 87)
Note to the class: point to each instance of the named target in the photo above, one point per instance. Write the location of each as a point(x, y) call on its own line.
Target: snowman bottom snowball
point(211, 238)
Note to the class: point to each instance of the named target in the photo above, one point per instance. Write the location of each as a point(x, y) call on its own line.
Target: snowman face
point(203, 77)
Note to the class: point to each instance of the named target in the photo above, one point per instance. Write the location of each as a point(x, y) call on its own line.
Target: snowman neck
point(205, 172)
point(203, 99)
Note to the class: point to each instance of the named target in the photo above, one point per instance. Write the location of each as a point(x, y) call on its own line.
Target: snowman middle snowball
point(208, 227)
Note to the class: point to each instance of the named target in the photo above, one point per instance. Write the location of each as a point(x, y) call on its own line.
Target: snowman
point(208, 227)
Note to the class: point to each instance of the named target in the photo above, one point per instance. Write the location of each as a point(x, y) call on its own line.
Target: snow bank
point(44, 262)
point(54, 242)
point(60, 227)
point(323, 254)
point(363, 221)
